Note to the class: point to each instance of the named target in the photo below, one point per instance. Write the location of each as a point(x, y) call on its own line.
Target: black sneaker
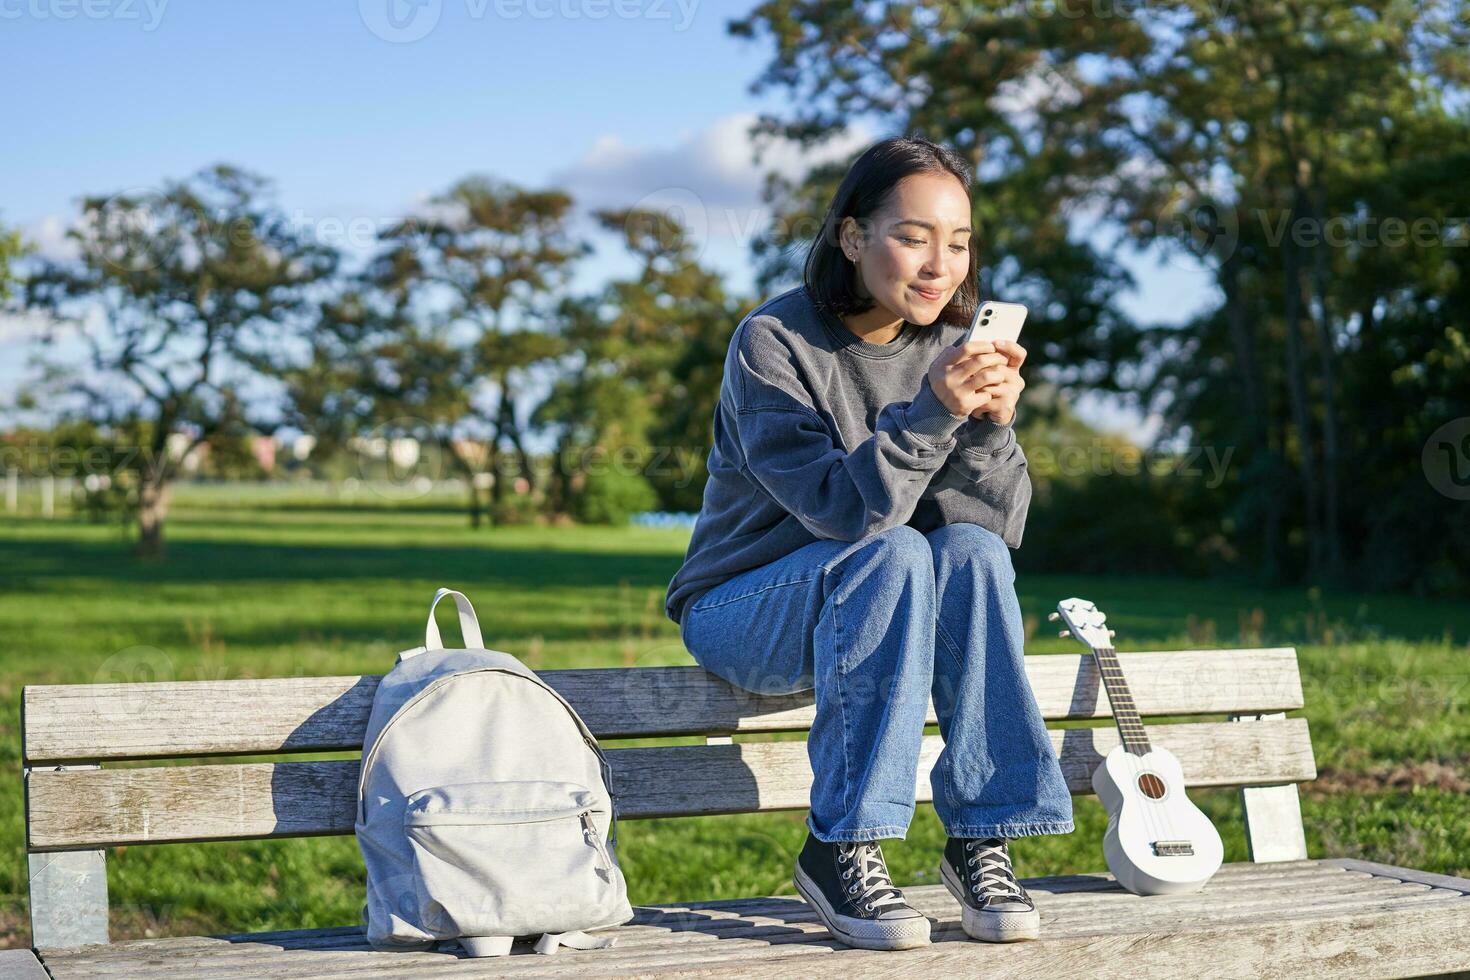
point(994, 907)
point(847, 883)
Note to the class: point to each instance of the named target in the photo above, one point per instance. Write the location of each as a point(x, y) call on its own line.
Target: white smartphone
point(997, 321)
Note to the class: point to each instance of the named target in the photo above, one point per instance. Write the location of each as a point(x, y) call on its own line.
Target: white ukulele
point(1157, 841)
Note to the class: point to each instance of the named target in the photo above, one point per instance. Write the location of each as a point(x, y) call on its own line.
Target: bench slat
point(1306, 884)
point(658, 931)
point(72, 809)
point(1235, 886)
point(683, 916)
point(1353, 930)
point(1372, 941)
point(160, 720)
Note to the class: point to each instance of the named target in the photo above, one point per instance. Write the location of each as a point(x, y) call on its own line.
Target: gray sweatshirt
point(821, 434)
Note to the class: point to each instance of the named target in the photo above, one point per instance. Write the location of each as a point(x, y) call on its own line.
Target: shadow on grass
point(196, 562)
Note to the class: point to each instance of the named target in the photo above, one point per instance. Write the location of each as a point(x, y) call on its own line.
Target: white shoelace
point(993, 877)
point(865, 863)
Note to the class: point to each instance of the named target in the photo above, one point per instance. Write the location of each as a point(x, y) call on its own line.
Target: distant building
point(264, 449)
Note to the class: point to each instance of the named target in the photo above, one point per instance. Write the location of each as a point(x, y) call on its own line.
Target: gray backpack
point(484, 806)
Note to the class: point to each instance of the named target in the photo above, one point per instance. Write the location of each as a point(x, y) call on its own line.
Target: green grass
point(263, 585)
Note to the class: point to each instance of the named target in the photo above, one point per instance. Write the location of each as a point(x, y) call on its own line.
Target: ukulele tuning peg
point(1053, 616)
point(1064, 634)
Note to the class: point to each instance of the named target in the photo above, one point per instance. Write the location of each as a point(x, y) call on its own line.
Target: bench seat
point(1303, 917)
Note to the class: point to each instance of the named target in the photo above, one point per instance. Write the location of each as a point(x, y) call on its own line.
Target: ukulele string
point(1141, 801)
point(1134, 762)
point(1156, 818)
point(1145, 804)
point(1162, 817)
point(1134, 765)
point(1148, 806)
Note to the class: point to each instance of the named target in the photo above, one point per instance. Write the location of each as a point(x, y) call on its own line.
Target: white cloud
point(708, 179)
point(717, 164)
point(48, 235)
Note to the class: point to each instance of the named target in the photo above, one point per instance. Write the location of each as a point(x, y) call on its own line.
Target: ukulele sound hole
point(1151, 786)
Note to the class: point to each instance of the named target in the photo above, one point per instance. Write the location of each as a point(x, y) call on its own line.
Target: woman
point(865, 486)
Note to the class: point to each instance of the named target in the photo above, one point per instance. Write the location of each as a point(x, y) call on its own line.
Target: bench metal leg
point(68, 896)
point(1273, 815)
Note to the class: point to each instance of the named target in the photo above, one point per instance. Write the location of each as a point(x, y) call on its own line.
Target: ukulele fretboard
point(1125, 713)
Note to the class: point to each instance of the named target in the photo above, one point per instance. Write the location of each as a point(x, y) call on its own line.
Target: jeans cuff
point(1011, 830)
point(864, 834)
point(874, 821)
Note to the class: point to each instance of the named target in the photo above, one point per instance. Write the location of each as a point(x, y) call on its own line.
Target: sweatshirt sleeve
point(788, 448)
point(986, 482)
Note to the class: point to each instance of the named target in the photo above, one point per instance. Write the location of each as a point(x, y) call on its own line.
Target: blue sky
point(358, 110)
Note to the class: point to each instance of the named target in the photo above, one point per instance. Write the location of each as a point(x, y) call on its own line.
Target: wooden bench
point(1279, 913)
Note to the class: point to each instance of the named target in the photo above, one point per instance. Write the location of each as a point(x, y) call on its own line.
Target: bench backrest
point(72, 732)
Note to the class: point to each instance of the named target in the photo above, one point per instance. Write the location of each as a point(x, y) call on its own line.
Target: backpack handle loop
point(469, 625)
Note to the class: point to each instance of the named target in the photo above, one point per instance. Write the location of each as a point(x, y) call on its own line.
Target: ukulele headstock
point(1084, 621)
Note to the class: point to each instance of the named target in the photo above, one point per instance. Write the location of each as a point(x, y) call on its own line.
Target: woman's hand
point(1005, 388)
point(968, 379)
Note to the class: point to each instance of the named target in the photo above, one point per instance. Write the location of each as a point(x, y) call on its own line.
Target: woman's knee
point(972, 543)
point(895, 562)
point(899, 550)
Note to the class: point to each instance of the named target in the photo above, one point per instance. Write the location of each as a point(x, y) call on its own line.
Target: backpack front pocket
point(510, 858)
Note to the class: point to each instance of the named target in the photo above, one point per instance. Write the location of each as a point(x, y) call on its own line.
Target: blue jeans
point(877, 626)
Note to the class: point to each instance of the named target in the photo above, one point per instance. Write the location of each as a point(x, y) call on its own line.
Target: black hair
point(870, 182)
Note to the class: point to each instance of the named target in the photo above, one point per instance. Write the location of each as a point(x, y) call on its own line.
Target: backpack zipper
point(590, 834)
point(612, 797)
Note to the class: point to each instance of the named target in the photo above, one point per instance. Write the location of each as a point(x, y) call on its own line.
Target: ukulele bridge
point(1173, 848)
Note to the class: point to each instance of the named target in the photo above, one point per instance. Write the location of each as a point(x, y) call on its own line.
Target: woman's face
point(917, 251)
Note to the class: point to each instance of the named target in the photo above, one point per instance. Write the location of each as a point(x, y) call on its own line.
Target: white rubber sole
point(862, 933)
point(990, 927)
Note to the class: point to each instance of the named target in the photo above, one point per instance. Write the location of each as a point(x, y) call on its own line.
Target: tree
point(460, 305)
point(178, 295)
point(1221, 129)
point(1289, 122)
point(649, 354)
point(327, 391)
point(11, 248)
